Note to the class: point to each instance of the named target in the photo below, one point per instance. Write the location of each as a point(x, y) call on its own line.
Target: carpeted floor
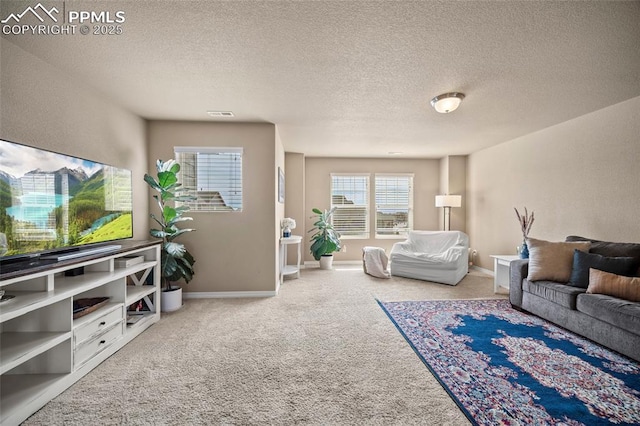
point(321, 352)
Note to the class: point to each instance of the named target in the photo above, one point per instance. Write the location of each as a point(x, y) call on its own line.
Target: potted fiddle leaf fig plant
point(325, 239)
point(176, 261)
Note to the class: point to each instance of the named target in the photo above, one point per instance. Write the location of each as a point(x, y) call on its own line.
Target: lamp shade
point(448, 200)
point(447, 102)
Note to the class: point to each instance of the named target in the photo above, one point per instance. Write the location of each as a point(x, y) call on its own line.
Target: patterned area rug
point(504, 367)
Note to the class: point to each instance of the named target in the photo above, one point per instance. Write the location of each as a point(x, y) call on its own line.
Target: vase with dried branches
point(526, 221)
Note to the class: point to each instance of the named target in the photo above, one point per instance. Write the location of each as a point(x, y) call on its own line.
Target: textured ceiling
point(354, 78)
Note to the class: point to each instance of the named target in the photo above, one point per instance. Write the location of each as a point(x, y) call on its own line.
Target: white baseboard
point(226, 294)
point(483, 270)
point(314, 263)
point(348, 262)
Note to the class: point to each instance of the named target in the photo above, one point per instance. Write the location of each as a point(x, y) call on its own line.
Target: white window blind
point(350, 196)
point(212, 175)
point(394, 204)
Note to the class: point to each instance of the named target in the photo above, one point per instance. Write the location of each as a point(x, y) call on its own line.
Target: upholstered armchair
point(439, 256)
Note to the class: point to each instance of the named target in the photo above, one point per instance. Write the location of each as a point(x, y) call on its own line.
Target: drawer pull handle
point(103, 323)
point(102, 342)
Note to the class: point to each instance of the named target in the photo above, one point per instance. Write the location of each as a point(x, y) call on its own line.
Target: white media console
point(43, 349)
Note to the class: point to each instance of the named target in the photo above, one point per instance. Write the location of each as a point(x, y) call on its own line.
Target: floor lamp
point(448, 201)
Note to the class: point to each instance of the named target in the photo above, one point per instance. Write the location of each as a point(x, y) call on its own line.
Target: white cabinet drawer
point(98, 325)
point(88, 350)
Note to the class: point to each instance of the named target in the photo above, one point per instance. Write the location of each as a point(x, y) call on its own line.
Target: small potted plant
point(176, 261)
point(287, 224)
point(325, 239)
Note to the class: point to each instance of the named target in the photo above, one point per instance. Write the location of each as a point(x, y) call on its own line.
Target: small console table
point(289, 269)
point(501, 264)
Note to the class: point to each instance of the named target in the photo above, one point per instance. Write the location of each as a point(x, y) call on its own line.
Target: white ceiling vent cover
point(220, 114)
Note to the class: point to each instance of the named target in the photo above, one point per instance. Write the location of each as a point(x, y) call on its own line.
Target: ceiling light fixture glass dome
point(447, 102)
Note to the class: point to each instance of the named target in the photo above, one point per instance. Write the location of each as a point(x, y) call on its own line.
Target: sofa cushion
point(601, 282)
point(582, 262)
point(552, 261)
point(618, 312)
point(561, 294)
point(610, 249)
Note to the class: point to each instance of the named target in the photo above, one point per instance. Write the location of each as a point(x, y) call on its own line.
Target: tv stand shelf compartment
point(43, 350)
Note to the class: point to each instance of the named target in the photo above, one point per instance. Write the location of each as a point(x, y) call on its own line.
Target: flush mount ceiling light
point(447, 102)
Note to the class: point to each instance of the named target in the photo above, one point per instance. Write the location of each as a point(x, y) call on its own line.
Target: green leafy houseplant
point(177, 262)
point(325, 239)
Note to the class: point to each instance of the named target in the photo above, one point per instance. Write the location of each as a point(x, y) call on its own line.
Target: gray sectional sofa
point(610, 321)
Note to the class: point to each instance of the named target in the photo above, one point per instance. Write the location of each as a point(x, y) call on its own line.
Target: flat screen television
point(52, 203)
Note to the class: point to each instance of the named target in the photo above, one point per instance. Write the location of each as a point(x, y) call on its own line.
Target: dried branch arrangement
point(525, 220)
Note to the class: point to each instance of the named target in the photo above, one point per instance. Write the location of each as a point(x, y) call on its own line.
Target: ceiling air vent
point(219, 113)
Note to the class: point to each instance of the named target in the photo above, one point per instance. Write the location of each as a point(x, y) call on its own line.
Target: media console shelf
point(43, 349)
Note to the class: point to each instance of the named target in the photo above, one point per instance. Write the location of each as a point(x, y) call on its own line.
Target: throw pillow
point(610, 249)
point(583, 261)
point(552, 261)
point(601, 282)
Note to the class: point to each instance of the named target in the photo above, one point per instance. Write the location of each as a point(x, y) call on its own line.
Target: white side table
point(284, 268)
point(501, 264)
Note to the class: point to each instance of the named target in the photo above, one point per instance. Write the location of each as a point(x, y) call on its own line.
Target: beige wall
point(46, 108)
point(426, 185)
point(294, 197)
point(453, 180)
point(279, 207)
point(234, 251)
point(580, 177)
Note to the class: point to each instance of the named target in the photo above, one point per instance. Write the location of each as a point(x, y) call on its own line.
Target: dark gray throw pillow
point(610, 249)
point(582, 261)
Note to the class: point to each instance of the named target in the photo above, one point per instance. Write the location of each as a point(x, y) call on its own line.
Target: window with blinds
point(213, 176)
point(350, 196)
point(394, 204)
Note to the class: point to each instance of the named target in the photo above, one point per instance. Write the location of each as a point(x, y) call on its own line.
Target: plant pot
point(286, 232)
point(171, 300)
point(326, 261)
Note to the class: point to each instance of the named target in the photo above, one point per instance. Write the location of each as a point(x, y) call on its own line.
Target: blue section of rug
point(505, 367)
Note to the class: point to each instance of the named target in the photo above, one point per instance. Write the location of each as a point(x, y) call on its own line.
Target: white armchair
point(439, 256)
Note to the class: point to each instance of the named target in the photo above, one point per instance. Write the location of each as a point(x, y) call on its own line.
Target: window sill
point(391, 237)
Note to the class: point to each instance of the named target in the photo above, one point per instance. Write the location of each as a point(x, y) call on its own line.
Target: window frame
point(191, 185)
point(366, 232)
point(404, 233)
